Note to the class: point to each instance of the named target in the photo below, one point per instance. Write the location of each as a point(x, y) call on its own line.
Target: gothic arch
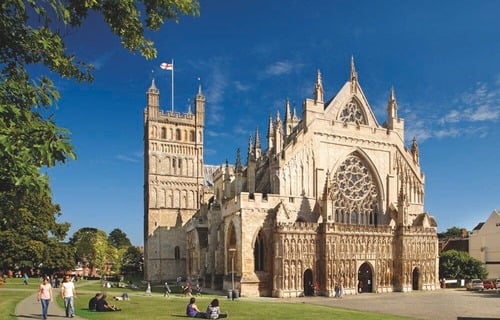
point(353, 112)
point(308, 282)
point(259, 251)
point(231, 246)
point(356, 190)
point(416, 279)
point(365, 278)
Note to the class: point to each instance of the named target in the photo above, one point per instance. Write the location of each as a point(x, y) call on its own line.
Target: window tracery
point(352, 113)
point(354, 193)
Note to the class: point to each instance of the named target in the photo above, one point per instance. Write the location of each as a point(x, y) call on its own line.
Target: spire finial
point(238, 160)
point(257, 138)
point(153, 85)
point(392, 96)
point(318, 88)
point(288, 114)
point(199, 86)
point(354, 74)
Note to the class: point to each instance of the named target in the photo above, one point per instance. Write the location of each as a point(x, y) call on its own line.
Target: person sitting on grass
point(213, 310)
point(193, 311)
point(103, 306)
point(93, 302)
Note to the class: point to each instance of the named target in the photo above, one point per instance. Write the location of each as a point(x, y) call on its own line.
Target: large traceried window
point(352, 113)
point(354, 193)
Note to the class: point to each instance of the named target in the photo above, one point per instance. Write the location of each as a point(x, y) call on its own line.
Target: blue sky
point(443, 59)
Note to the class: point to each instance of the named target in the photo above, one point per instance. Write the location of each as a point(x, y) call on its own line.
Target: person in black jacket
point(103, 306)
point(93, 302)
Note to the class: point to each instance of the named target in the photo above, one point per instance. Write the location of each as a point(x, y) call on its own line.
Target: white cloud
point(453, 116)
point(478, 105)
point(481, 103)
point(212, 133)
point(135, 157)
point(241, 87)
point(279, 68)
point(100, 61)
point(215, 93)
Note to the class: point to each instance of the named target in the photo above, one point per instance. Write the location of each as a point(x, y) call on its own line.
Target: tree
point(132, 260)
point(29, 230)
point(91, 247)
point(118, 239)
point(455, 264)
point(453, 232)
point(31, 34)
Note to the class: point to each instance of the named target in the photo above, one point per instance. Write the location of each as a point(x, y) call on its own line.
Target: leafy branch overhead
point(32, 38)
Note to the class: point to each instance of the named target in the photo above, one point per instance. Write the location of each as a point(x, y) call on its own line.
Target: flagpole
point(173, 85)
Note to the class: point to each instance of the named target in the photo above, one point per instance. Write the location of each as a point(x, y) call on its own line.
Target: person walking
point(45, 296)
point(68, 293)
point(167, 290)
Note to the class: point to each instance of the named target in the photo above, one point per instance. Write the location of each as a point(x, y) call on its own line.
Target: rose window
point(354, 193)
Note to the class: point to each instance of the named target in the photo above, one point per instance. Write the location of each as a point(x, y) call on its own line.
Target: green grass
point(157, 307)
point(13, 292)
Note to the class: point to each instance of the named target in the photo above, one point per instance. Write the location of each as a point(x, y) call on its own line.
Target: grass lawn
point(13, 292)
point(157, 307)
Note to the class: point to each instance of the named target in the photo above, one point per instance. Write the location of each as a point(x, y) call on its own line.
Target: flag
point(167, 66)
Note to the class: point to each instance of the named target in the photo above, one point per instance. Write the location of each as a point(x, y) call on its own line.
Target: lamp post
point(233, 251)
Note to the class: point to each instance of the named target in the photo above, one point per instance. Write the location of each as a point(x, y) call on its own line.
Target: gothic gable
point(350, 106)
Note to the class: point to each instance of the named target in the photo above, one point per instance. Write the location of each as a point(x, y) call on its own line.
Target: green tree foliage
point(91, 247)
point(455, 264)
point(31, 38)
point(132, 261)
point(453, 232)
point(118, 239)
point(29, 230)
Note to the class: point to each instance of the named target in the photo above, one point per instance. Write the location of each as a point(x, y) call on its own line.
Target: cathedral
point(328, 198)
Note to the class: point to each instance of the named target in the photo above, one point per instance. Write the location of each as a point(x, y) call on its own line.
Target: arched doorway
point(415, 277)
point(308, 283)
point(365, 278)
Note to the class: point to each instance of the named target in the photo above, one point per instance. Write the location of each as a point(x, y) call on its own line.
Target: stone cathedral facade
point(335, 198)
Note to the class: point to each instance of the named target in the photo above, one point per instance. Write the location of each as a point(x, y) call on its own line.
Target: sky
point(442, 58)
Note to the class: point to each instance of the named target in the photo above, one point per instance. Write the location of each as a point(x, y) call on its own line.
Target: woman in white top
point(213, 310)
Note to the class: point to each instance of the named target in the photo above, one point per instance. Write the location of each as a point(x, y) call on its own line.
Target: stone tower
point(173, 182)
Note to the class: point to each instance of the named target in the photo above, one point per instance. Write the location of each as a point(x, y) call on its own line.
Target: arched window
point(352, 113)
point(192, 135)
point(163, 133)
point(259, 253)
point(178, 134)
point(177, 253)
point(354, 194)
